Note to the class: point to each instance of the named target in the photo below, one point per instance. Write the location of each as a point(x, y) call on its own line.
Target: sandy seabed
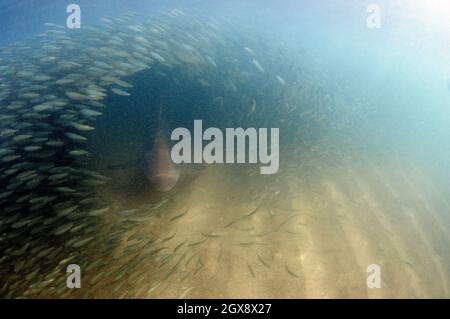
point(228, 232)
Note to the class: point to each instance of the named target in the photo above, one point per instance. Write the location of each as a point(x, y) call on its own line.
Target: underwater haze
point(357, 207)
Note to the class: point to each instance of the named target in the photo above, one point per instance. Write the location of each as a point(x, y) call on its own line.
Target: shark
point(157, 164)
point(159, 169)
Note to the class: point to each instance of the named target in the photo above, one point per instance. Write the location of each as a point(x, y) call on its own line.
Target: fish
point(168, 237)
point(196, 243)
point(78, 152)
point(32, 148)
point(179, 215)
point(42, 107)
point(251, 271)
point(160, 204)
point(179, 246)
point(120, 92)
point(281, 80)
point(100, 211)
point(249, 51)
point(82, 127)
point(63, 228)
point(185, 292)
point(262, 261)
point(253, 108)
point(157, 56)
point(65, 189)
point(211, 235)
point(290, 272)
point(123, 83)
point(76, 96)
point(53, 90)
point(90, 113)
point(128, 212)
point(257, 65)
point(75, 137)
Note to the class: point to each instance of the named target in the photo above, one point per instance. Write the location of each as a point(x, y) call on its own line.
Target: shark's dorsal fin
point(160, 113)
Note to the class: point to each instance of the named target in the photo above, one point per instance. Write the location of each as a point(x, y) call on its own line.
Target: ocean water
point(359, 207)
